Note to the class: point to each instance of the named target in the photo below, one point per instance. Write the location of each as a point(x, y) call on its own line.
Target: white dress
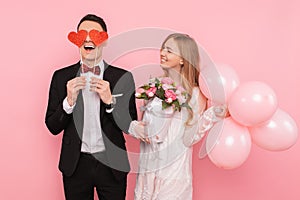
point(165, 165)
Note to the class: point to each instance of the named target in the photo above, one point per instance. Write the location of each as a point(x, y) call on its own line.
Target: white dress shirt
point(92, 140)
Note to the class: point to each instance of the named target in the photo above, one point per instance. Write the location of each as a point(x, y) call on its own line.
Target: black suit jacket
point(113, 124)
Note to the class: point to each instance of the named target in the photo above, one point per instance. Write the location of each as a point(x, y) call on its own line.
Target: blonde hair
point(190, 68)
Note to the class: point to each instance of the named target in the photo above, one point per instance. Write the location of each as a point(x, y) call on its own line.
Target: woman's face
point(170, 57)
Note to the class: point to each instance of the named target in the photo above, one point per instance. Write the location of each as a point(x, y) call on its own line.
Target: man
point(92, 110)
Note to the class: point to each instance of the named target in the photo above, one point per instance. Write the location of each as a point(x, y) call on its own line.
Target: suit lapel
point(106, 77)
point(78, 114)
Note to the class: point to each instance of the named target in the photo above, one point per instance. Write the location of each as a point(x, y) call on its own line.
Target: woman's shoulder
point(196, 93)
point(196, 90)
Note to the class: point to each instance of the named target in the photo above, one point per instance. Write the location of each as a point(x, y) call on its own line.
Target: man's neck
point(92, 63)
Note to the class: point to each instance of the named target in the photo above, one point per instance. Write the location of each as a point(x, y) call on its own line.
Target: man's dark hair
point(94, 18)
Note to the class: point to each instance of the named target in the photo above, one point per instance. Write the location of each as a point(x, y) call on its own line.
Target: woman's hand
point(221, 111)
point(138, 130)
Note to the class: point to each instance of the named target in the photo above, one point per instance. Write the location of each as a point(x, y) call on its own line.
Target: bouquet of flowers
point(166, 90)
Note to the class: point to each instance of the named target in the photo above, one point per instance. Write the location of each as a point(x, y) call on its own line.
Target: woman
point(165, 171)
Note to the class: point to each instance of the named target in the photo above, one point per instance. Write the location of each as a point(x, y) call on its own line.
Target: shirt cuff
point(109, 110)
point(67, 108)
point(110, 107)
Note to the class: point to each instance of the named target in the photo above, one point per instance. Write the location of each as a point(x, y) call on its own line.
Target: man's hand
point(102, 88)
point(73, 87)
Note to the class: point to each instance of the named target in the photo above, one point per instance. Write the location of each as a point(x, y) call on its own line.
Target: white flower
point(178, 93)
point(169, 100)
point(152, 84)
point(150, 94)
point(181, 99)
point(167, 86)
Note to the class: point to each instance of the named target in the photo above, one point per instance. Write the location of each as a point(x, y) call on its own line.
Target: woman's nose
point(163, 52)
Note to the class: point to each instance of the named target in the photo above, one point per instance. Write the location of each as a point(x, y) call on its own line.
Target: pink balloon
point(218, 82)
point(252, 103)
point(228, 144)
point(277, 134)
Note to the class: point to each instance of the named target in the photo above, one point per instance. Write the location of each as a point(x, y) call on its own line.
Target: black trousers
point(92, 173)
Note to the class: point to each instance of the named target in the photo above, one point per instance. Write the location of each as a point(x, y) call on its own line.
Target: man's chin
point(89, 58)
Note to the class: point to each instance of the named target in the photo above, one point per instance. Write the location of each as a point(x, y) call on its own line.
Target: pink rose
point(151, 91)
point(170, 94)
point(167, 80)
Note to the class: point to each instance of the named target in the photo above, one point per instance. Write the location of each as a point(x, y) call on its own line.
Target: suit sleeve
point(56, 118)
point(125, 109)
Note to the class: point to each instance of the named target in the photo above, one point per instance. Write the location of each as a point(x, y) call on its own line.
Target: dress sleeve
point(202, 120)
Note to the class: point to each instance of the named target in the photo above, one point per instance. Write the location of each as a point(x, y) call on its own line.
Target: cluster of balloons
point(254, 117)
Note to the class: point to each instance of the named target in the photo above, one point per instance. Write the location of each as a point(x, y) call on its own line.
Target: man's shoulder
point(117, 73)
point(68, 69)
point(117, 69)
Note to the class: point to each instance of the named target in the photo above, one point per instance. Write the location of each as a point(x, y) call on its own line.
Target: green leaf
point(160, 93)
point(186, 105)
point(165, 105)
point(144, 96)
point(177, 105)
point(157, 80)
point(145, 87)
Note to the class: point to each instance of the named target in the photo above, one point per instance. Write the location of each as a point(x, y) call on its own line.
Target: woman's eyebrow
point(168, 48)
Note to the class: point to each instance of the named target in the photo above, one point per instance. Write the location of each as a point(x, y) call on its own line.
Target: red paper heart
point(98, 37)
point(78, 38)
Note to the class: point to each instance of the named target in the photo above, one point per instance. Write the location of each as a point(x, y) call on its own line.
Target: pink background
point(259, 39)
